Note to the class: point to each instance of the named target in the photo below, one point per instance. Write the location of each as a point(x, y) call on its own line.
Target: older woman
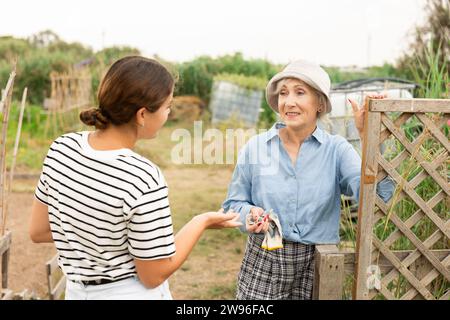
point(299, 171)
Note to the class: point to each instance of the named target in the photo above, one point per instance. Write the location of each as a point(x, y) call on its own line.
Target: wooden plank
point(5, 264)
point(8, 89)
point(5, 244)
point(51, 267)
point(413, 195)
point(55, 291)
point(329, 273)
point(52, 264)
point(419, 245)
point(412, 220)
point(5, 110)
point(403, 270)
point(413, 151)
point(385, 132)
point(59, 289)
point(16, 147)
point(399, 158)
point(420, 268)
point(437, 178)
point(425, 281)
point(432, 202)
point(381, 175)
point(371, 135)
point(6, 294)
point(434, 130)
point(413, 255)
point(327, 249)
point(446, 296)
point(49, 279)
point(426, 275)
point(410, 105)
point(416, 217)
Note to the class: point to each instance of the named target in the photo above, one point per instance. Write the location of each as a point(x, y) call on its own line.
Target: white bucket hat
point(308, 72)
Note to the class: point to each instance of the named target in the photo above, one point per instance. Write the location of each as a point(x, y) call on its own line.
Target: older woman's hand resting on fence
point(358, 112)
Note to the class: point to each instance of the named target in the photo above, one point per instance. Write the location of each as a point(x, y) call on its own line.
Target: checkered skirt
point(281, 274)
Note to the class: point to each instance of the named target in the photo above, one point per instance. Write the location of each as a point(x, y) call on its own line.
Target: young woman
point(106, 207)
point(299, 171)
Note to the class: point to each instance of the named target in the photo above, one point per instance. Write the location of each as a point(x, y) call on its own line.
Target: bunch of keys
point(261, 218)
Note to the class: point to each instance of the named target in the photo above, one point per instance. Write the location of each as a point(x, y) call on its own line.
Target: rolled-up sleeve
point(239, 198)
point(349, 170)
point(350, 175)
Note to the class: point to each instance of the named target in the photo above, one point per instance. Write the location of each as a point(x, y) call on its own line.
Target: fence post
point(369, 170)
point(329, 273)
point(5, 244)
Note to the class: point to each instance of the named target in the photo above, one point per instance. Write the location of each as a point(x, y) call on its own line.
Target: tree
point(433, 38)
point(44, 38)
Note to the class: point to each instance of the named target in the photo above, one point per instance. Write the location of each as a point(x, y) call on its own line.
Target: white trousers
point(128, 289)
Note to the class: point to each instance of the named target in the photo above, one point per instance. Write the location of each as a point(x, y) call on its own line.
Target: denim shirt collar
point(318, 134)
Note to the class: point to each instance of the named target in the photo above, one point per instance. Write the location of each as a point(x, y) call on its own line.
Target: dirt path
point(27, 260)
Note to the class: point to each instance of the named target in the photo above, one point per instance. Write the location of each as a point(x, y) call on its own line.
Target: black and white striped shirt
point(105, 208)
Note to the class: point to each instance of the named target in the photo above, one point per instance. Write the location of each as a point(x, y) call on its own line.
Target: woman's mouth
point(292, 114)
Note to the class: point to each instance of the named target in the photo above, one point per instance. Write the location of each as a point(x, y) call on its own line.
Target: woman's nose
point(290, 101)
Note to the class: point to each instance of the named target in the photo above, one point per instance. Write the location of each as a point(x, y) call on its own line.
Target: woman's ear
point(140, 117)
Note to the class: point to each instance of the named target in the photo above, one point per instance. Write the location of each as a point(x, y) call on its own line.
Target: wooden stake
point(6, 107)
point(16, 147)
point(16, 143)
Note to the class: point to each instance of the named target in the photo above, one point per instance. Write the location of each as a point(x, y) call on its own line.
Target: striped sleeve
point(150, 230)
point(41, 192)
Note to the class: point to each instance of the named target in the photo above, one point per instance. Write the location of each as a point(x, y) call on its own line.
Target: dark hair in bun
point(94, 117)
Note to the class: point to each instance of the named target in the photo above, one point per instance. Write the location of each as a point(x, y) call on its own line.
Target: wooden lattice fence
point(407, 140)
point(70, 92)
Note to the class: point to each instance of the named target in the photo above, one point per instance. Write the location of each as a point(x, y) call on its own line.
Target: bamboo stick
point(16, 143)
point(16, 147)
point(6, 106)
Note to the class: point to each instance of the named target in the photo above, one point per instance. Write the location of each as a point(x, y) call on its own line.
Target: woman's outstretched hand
point(219, 219)
point(358, 111)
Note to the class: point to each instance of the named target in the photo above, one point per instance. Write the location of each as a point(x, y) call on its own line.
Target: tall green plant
point(431, 73)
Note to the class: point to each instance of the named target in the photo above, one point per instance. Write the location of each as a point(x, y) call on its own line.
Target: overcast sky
point(329, 32)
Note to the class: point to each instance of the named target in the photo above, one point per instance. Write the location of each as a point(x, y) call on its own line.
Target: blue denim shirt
point(306, 196)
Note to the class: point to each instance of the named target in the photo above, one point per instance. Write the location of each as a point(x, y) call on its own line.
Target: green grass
point(222, 291)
